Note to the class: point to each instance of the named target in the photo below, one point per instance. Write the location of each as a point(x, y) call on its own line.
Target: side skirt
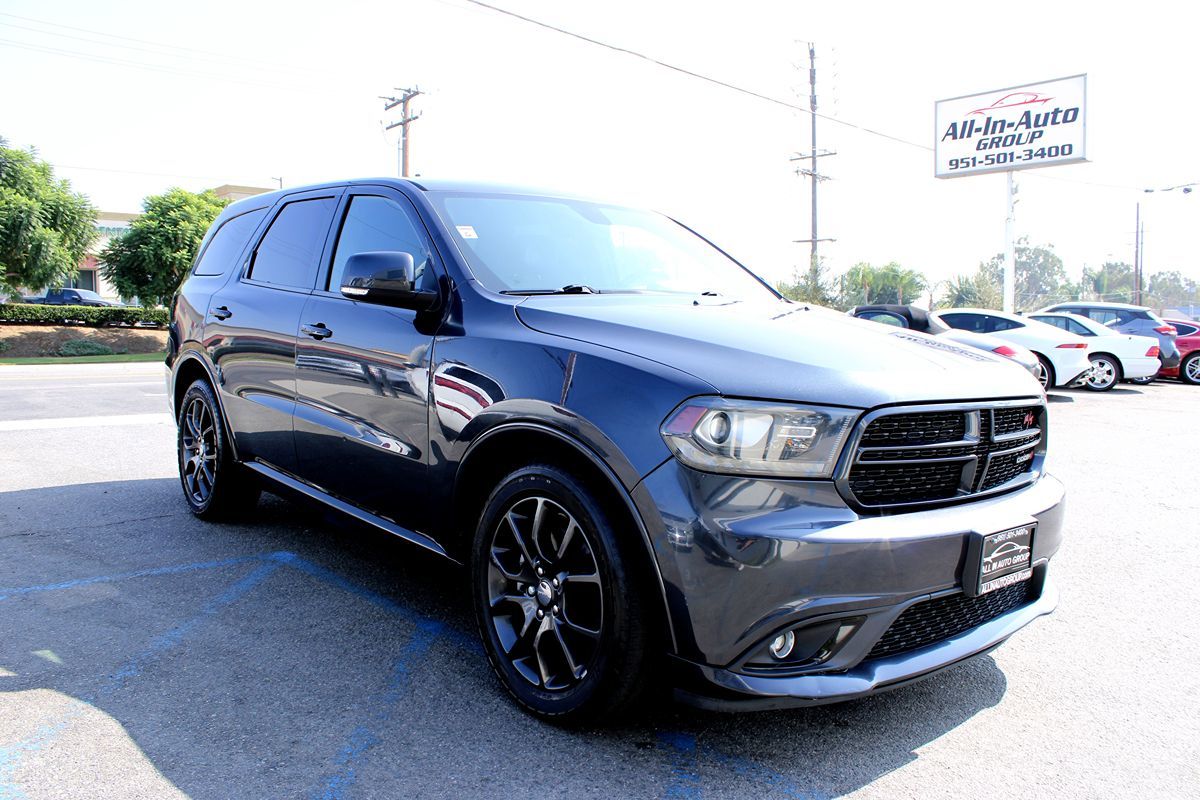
point(313, 493)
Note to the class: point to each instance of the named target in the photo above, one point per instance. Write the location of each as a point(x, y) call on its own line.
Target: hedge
point(94, 316)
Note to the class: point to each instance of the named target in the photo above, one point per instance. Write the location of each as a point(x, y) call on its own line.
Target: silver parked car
point(918, 319)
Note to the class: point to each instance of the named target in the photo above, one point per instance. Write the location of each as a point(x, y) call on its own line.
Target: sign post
point(1022, 127)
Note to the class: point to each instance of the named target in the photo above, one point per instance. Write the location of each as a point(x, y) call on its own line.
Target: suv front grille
point(927, 457)
point(933, 621)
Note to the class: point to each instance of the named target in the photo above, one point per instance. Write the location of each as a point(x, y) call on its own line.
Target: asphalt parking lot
point(146, 654)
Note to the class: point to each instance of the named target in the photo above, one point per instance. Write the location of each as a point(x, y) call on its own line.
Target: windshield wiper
point(570, 288)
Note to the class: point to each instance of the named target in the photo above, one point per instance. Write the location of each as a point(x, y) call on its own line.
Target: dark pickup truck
point(71, 297)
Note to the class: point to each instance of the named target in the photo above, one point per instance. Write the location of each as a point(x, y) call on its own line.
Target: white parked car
point(1115, 356)
point(1063, 356)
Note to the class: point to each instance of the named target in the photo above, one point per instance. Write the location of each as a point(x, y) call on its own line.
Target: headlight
point(748, 437)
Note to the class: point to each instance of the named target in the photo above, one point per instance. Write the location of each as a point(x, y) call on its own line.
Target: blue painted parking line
point(686, 755)
point(365, 736)
point(684, 783)
point(141, 573)
point(48, 731)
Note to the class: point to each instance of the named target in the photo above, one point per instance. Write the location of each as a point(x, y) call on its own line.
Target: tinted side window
point(289, 252)
point(1077, 328)
point(227, 243)
point(1000, 324)
point(378, 223)
point(1057, 322)
point(964, 322)
point(1101, 315)
point(1184, 330)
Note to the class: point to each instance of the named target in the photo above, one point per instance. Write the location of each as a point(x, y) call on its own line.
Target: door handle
point(221, 312)
point(318, 331)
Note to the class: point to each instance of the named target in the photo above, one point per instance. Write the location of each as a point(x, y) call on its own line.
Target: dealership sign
point(1023, 127)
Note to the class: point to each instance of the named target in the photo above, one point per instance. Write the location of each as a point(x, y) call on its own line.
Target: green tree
point(1041, 277)
point(1113, 282)
point(809, 287)
point(865, 284)
point(1171, 290)
point(150, 260)
point(972, 291)
point(45, 228)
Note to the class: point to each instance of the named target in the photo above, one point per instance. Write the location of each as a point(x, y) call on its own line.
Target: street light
point(1139, 243)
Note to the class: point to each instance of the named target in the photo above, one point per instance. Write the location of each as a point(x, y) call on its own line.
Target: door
point(362, 371)
point(250, 329)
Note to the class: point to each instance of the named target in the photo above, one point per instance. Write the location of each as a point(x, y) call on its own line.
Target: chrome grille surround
point(979, 461)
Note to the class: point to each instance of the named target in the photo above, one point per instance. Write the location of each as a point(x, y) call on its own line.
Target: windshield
point(528, 244)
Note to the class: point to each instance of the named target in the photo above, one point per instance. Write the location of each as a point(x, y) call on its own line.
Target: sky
point(128, 98)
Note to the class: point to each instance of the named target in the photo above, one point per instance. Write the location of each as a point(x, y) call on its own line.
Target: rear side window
point(1078, 328)
point(378, 223)
point(884, 317)
point(1101, 315)
point(1184, 330)
point(289, 252)
point(1057, 322)
point(227, 243)
point(999, 324)
point(965, 322)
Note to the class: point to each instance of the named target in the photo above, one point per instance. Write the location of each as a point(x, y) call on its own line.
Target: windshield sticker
point(467, 232)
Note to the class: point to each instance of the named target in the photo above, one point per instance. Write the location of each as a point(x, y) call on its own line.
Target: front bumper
point(745, 559)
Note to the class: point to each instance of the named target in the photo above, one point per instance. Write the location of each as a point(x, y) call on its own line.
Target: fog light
point(781, 646)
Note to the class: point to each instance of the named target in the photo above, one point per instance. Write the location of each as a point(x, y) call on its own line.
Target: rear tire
point(214, 485)
point(1045, 374)
point(559, 599)
point(1142, 381)
point(1189, 370)
point(1105, 373)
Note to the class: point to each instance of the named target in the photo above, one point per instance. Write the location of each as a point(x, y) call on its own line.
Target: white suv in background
point(1063, 356)
point(1115, 356)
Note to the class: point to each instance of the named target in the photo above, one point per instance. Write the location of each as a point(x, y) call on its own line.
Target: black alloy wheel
point(213, 484)
point(557, 601)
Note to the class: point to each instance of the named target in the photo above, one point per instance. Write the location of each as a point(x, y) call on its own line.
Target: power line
point(144, 65)
point(697, 75)
point(211, 54)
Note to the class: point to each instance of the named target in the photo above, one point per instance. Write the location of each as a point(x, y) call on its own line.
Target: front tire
point(214, 484)
point(1105, 373)
point(558, 598)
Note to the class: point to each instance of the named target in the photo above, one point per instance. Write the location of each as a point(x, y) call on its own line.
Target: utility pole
point(406, 119)
point(812, 174)
point(1010, 253)
point(1137, 256)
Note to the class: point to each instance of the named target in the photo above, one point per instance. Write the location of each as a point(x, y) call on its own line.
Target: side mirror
point(386, 277)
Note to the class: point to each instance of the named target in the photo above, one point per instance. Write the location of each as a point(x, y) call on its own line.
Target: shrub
point(84, 347)
point(94, 316)
point(4, 346)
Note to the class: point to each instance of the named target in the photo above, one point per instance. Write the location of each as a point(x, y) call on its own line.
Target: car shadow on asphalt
point(295, 653)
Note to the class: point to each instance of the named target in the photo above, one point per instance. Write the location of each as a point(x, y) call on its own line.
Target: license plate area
point(997, 560)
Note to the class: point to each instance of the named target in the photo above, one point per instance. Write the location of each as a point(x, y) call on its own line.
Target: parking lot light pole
point(1139, 240)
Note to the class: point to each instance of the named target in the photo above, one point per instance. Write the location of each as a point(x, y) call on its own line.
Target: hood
point(781, 351)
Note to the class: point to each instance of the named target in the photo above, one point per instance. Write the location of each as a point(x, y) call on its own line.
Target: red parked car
point(1188, 343)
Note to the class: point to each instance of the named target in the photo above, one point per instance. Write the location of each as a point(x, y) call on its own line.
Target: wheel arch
point(190, 367)
point(509, 446)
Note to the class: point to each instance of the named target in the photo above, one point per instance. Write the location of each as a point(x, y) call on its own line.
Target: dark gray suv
point(659, 472)
point(1136, 320)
